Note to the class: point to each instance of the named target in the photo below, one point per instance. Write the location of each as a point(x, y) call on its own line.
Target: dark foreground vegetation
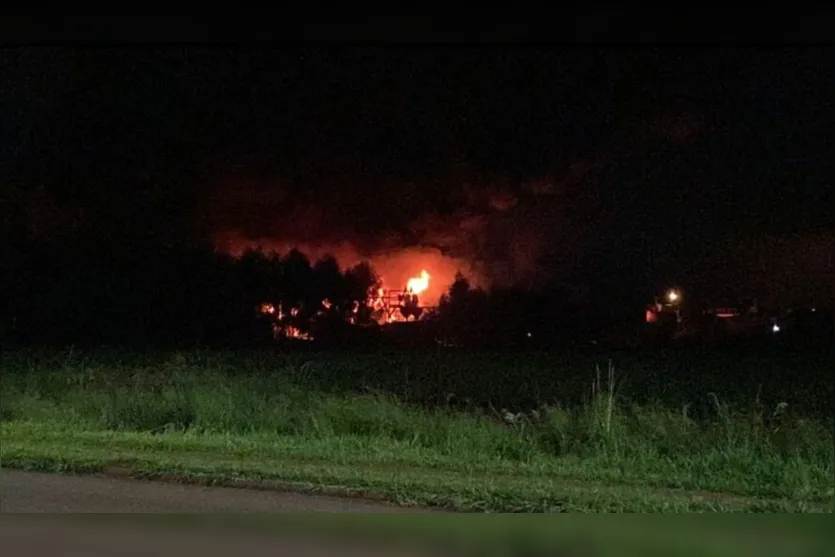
point(525, 432)
point(146, 294)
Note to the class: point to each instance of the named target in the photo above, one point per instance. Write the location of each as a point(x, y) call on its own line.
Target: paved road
point(35, 492)
point(93, 535)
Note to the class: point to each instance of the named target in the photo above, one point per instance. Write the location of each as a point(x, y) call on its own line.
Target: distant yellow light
point(673, 296)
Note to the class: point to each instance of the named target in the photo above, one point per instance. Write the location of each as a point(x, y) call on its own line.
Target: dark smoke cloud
point(495, 237)
point(498, 232)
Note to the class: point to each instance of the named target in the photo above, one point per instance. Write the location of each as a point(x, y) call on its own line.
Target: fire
point(280, 327)
point(402, 294)
point(387, 306)
point(295, 333)
point(396, 266)
point(416, 285)
point(402, 303)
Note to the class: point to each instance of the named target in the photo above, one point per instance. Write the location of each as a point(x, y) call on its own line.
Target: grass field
point(533, 432)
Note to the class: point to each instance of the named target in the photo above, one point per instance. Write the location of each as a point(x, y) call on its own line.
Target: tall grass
point(758, 447)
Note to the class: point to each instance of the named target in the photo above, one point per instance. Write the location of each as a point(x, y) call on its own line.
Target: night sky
point(592, 170)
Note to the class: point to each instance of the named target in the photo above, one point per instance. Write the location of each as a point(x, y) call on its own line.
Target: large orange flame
point(416, 285)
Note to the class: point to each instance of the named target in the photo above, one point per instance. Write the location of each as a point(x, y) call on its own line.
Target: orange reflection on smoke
point(394, 266)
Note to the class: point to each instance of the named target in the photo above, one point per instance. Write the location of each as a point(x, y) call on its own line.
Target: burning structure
point(381, 307)
point(401, 305)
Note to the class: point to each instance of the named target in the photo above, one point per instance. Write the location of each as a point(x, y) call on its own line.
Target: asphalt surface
point(30, 492)
point(48, 536)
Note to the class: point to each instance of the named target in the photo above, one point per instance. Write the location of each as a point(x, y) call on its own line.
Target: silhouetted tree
point(361, 281)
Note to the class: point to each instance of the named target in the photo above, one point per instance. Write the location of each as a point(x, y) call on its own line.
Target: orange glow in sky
point(425, 270)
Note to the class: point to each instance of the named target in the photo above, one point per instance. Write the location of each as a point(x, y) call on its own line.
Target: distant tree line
point(185, 295)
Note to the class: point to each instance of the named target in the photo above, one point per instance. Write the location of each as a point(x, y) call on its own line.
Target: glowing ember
point(416, 285)
point(295, 333)
point(279, 326)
